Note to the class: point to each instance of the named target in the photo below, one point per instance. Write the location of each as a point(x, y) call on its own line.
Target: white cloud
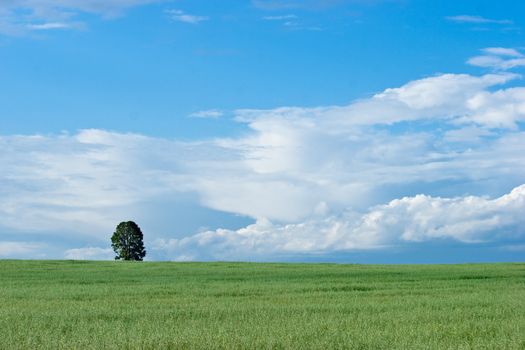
point(53, 26)
point(296, 158)
point(501, 108)
point(477, 20)
point(496, 62)
point(80, 183)
point(444, 97)
point(90, 253)
point(443, 92)
point(181, 16)
point(402, 221)
point(498, 59)
point(502, 51)
point(208, 114)
point(466, 219)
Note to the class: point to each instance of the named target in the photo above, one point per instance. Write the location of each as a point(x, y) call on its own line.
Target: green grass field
point(118, 305)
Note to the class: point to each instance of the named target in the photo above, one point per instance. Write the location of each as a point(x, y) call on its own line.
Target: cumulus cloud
point(407, 220)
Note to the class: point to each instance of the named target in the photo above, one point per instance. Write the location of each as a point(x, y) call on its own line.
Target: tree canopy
point(127, 242)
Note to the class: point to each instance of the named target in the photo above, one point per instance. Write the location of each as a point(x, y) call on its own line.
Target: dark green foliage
point(127, 242)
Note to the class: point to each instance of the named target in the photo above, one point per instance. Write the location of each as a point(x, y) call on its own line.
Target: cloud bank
point(416, 219)
point(438, 158)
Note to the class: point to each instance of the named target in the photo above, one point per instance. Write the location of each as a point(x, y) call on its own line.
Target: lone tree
point(127, 242)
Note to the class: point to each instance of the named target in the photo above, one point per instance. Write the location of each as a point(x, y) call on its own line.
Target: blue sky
point(349, 131)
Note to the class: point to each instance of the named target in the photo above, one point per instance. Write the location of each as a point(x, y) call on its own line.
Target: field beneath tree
point(120, 305)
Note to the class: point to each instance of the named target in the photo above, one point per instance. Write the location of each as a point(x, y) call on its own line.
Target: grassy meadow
point(121, 305)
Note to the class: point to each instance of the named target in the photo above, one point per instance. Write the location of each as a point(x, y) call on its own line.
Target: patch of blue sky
point(144, 70)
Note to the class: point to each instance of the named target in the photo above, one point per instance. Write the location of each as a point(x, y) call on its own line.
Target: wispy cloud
point(207, 114)
point(291, 22)
point(498, 58)
point(18, 17)
point(181, 16)
point(477, 20)
point(502, 51)
point(279, 18)
point(55, 26)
